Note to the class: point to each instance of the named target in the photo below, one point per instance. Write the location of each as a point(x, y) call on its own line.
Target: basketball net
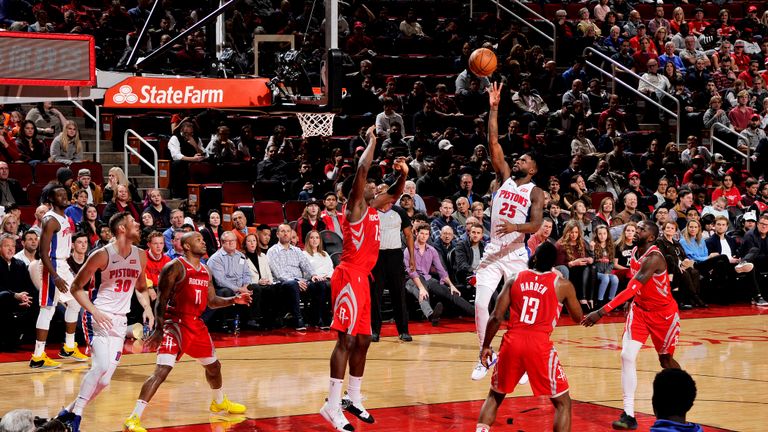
point(316, 124)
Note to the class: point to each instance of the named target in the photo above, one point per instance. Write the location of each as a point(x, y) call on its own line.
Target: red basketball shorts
point(351, 301)
point(663, 327)
point(532, 353)
point(190, 337)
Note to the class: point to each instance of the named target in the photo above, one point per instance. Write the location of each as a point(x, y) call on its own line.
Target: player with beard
point(518, 208)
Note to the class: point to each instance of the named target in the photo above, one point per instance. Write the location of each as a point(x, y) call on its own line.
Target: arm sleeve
point(623, 296)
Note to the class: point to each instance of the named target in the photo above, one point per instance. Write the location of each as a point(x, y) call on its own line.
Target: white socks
point(69, 340)
point(482, 428)
point(39, 348)
point(353, 389)
point(218, 395)
point(138, 410)
point(334, 393)
point(79, 405)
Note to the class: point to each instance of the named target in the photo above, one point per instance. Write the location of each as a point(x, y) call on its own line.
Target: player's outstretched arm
point(494, 322)
point(356, 204)
point(566, 294)
point(394, 192)
point(216, 302)
point(500, 165)
point(50, 227)
point(96, 261)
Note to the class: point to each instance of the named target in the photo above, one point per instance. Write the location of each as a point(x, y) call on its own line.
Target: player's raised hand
point(486, 356)
point(61, 284)
point(102, 319)
point(590, 319)
point(371, 133)
point(494, 94)
point(400, 165)
point(243, 298)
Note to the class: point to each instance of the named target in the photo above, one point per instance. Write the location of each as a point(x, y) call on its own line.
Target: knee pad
point(44, 317)
point(72, 312)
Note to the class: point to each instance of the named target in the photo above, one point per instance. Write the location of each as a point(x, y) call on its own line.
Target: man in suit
point(731, 266)
point(10, 189)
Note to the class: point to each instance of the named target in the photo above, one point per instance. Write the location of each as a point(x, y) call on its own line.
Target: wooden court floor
point(286, 383)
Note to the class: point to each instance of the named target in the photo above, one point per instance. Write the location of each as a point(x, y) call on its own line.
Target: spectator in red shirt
point(358, 44)
point(740, 115)
point(156, 259)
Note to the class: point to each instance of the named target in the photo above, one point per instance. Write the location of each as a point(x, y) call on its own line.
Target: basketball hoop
point(316, 124)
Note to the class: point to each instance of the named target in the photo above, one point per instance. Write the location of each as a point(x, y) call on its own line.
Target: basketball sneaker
point(625, 422)
point(523, 379)
point(70, 419)
point(43, 362)
point(759, 301)
point(227, 406)
point(335, 416)
point(356, 409)
point(74, 353)
point(480, 371)
point(133, 424)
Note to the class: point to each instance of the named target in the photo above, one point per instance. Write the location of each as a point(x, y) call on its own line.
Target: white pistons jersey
point(512, 203)
point(61, 244)
point(118, 280)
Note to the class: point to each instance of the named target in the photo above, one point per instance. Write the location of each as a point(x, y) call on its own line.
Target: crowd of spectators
point(602, 174)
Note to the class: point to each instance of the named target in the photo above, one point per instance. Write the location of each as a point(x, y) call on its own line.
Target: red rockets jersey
point(533, 302)
point(656, 293)
point(190, 296)
point(361, 241)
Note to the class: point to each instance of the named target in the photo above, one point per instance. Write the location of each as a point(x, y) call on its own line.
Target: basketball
point(482, 62)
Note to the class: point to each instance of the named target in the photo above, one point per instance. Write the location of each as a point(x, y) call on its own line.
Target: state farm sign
point(140, 92)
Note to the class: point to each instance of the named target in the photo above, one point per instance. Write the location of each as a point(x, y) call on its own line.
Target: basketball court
point(282, 377)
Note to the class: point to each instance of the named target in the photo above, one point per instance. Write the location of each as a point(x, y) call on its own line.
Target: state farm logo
point(125, 95)
point(153, 94)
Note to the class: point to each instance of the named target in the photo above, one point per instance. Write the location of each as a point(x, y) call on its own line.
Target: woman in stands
point(121, 203)
point(578, 192)
point(147, 227)
point(729, 190)
point(322, 264)
point(660, 38)
point(683, 275)
point(671, 72)
point(604, 213)
point(48, 120)
point(90, 224)
point(31, 149)
point(574, 253)
point(191, 214)
point(117, 177)
point(624, 246)
point(310, 220)
point(10, 225)
point(212, 231)
point(160, 212)
point(67, 147)
point(604, 255)
point(678, 22)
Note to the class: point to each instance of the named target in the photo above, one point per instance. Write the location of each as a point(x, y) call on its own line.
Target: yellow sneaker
point(74, 353)
point(133, 424)
point(227, 406)
point(43, 362)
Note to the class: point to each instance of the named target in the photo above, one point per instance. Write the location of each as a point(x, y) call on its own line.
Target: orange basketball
point(482, 62)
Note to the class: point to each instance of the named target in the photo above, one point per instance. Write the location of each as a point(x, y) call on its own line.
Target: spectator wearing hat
point(715, 169)
point(697, 25)
point(331, 216)
point(11, 191)
point(645, 198)
point(390, 91)
point(358, 44)
point(751, 24)
point(750, 136)
point(84, 182)
point(740, 58)
point(309, 221)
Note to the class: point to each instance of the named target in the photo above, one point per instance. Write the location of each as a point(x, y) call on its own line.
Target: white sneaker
point(523, 379)
point(335, 417)
point(744, 267)
point(480, 371)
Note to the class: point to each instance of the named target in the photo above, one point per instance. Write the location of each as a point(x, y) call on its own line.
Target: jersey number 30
point(530, 310)
point(122, 285)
